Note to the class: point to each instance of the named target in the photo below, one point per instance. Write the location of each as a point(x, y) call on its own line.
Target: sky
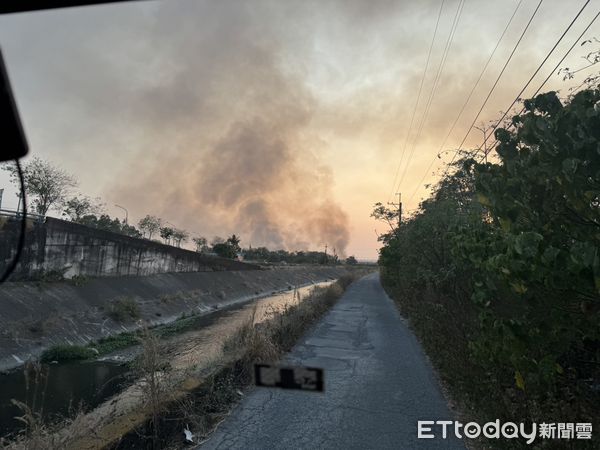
point(280, 121)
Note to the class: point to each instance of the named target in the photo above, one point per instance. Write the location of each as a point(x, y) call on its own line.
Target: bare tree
point(166, 233)
point(180, 236)
point(201, 244)
point(78, 207)
point(151, 367)
point(150, 225)
point(46, 184)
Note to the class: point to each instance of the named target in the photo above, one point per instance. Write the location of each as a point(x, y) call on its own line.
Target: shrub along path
point(378, 384)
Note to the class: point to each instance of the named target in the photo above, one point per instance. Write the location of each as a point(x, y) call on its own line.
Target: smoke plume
point(230, 144)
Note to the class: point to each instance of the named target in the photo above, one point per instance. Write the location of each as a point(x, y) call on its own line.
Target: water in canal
point(59, 389)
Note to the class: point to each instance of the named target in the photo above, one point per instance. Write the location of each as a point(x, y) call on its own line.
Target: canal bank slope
point(35, 316)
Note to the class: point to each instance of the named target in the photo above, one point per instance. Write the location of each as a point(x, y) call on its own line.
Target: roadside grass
point(41, 435)
point(201, 409)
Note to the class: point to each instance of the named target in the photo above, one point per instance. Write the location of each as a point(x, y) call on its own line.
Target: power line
point(545, 81)
point(418, 98)
point(496, 82)
point(468, 98)
point(434, 87)
point(538, 69)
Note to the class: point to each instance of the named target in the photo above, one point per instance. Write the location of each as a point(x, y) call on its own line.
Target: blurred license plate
point(303, 378)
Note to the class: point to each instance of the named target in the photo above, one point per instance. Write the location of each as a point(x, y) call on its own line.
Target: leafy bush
point(79, 280)
point(112, 343)
point(49, 276)
point(225, 250)
point(544, 198)
point(123, 309)
point(66, 352)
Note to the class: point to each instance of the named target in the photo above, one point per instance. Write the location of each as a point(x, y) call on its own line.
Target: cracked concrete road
point(378, 384)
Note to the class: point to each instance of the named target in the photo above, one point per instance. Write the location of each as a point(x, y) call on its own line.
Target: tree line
point(503, 262)
point(48, 186)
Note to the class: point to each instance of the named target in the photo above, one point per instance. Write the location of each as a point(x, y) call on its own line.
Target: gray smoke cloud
point(234, 149)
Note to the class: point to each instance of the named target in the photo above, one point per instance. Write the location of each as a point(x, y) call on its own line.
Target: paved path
point(377, 385)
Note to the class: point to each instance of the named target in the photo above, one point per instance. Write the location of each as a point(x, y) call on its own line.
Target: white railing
point(19, 214)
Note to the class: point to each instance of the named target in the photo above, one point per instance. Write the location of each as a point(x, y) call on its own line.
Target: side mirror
point(13, 143)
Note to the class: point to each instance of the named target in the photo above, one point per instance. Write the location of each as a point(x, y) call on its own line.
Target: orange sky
point(283, 121)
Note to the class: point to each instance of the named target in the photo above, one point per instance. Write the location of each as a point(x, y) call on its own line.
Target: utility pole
point(484, 130)
point(399, 206)
point(126, 213)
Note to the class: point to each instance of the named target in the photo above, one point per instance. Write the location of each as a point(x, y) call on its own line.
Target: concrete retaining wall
point(36, 316)
point(68, 249)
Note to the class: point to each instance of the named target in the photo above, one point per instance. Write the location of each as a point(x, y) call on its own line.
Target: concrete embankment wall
point(68, 249)
point(36, 316)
